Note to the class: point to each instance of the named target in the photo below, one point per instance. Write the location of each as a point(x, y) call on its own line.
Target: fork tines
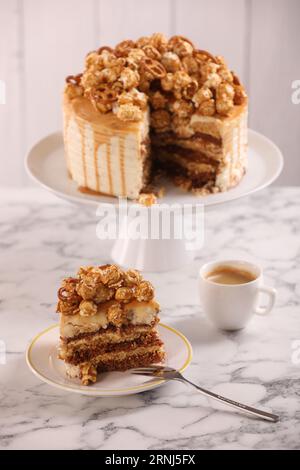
point(151, 370)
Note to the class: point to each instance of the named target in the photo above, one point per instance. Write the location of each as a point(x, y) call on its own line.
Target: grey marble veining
point(43, 239)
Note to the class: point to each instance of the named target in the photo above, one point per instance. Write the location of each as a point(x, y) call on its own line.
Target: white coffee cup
point(230, 306)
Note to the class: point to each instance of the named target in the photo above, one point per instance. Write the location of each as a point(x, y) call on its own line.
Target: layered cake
point(108, 320)
point(150, 106)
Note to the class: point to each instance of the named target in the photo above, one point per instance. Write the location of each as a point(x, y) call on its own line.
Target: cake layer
point(103, 153)
point(121, 361)
point(88, 351)
point(112, 333)
point(183, 162)
point(192, 180)
point(208, 145)
point(135, 313)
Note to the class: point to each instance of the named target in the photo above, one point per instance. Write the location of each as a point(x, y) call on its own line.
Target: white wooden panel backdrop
point(42, 41)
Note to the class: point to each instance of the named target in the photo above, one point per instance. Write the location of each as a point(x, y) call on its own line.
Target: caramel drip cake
point(108, 320)
point(150, 106)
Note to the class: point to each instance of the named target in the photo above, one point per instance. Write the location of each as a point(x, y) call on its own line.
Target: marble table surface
point(43, 239)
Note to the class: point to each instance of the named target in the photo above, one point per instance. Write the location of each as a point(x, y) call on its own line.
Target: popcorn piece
point(111, 275)
point(213, 81)
point(182, 108)
point(128, 112)
point(207, 108)
point(67, 308)
point(90, 79)
point(203, 94)
point(225, 74)
point(86, 291)
point(123, 48)
point(103, 293)
point(114, 314)
point(189, 91)
point(144, 291)
point(88, 374)
point(108, 58)
point(143, 41)
point(160, 120)
point(181, 81)
point(93, 59)
point(134, 97)
point(167, 82)
point(108, 75)
point(208, 71)
point(190, 65)
point(147, 199)
point(159, 41)
point(132, 277)
point(224, 98)
point(134, 58)
point(125, 294)
point(239, 95)
point(171, 61)
point(181, 46)
point(87, 308)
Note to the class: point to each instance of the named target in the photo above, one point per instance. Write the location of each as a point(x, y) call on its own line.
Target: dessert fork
point(167, 373)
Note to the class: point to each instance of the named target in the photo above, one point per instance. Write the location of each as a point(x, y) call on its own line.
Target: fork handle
point(248, 409)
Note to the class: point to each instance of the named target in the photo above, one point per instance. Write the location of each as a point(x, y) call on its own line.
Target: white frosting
point(72, 325)
point(143, 315)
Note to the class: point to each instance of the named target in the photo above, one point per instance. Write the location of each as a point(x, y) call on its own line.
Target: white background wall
point(42, 41)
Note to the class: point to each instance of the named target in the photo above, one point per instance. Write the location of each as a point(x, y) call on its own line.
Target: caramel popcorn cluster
point(176, 78)
point(96, 285)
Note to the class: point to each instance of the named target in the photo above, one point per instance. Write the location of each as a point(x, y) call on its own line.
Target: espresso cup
point(230, 306)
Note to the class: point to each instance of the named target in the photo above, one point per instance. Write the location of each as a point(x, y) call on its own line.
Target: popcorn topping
point(96, 285)
point(123, 79)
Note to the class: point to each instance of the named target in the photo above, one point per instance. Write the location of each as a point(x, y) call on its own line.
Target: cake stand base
point(151, 255)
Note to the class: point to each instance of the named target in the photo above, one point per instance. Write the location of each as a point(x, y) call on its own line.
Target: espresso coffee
point(230, 275)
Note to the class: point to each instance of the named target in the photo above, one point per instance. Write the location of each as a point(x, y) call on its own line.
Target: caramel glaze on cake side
point(183, 101)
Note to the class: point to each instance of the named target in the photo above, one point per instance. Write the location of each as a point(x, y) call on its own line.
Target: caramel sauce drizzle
point(96, 149)
point(122, 163)
point(82, 135)
point(67, 118)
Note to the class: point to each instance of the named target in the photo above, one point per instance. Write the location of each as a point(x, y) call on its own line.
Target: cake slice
point(108, 320)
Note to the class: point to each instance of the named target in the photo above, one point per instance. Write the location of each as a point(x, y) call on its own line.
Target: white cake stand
point(46, 165)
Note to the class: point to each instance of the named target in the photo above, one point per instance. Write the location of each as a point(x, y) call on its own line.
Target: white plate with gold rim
point(41, 357)
point(45, 163)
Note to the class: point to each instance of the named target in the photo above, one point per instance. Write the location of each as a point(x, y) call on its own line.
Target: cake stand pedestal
point(45, 163)
point(155, 244)
point(151, 255)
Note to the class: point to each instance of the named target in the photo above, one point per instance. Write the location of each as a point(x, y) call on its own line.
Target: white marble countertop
point(43, 239)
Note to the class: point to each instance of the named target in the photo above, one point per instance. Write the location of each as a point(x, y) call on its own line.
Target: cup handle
point(272, 297)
